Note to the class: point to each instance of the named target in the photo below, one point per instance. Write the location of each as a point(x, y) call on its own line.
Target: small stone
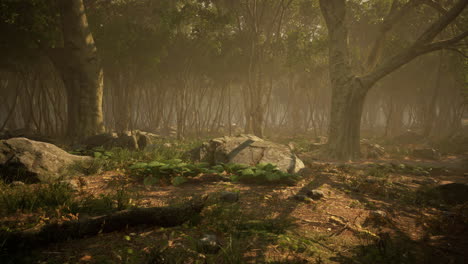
point(315, 194)
point(17, 183)
point(378, 216)
point(302, 198)
point(208, 244)
point(229, 197)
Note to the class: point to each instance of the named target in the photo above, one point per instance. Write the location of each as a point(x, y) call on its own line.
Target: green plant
point(31, 198)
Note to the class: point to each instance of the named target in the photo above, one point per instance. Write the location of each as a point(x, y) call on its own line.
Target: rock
point(229, 197)
point(32, 161)
point(378, 214)
point(17, 183)
point(453, 193)
point(302, 198)
point(426, 153)
point(208, 244)
point(127, 141)
point(249, 150)
point(315, 194)
point(377, 217)
point(316, 146)
point(371, 151)
point(101, 140)
point(143, 141)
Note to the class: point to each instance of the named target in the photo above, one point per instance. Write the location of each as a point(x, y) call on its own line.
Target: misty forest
point(233, 131)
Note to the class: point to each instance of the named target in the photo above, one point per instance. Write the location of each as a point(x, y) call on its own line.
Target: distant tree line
point(204, 67)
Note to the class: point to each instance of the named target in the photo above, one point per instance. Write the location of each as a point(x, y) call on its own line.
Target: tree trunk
point(348, 93)
point(81, 72)
point(345, 121)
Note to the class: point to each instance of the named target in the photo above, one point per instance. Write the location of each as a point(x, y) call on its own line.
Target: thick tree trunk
point(345, 121)
point(348, 93)
point(81, 72)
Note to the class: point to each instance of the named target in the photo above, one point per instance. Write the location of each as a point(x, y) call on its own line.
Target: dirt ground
point(342, 227)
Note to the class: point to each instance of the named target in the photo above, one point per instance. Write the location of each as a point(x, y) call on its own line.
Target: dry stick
point(51, 233)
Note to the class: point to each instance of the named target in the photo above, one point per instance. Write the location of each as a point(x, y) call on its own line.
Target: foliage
point(177, 171)
point(32, 198)
point(60, 196)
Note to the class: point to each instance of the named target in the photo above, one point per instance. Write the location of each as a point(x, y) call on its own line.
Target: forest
point(233, 131)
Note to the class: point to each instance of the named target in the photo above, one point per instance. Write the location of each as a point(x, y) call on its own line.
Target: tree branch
point(388, 23)
point(429, 35)
point(406, 56)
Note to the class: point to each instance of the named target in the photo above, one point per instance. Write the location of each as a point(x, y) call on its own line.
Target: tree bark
point(81, 72)
point(52, 233)
point(349, 91)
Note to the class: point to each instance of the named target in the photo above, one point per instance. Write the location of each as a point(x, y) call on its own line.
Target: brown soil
point(341, 219)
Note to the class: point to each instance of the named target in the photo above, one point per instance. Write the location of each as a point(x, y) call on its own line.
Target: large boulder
point(249, 150)
point(33, 161)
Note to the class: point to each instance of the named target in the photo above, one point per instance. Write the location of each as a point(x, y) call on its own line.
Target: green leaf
point(178, 180)
point(202, 165)
point(150, 180)
point(97, 154)
point(218, 168)
point(273, 177)
point(174, 161)
point(154, 164)
point(234, 178)
point(247, 172)
point(139, 165)
point(259, 172)
point(269, 167)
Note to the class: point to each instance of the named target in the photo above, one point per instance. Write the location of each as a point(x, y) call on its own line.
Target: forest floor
point(375, 211)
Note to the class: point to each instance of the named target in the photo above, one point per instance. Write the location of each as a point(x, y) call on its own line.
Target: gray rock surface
point(315, 194)
point(249, 150)
point(33, 161)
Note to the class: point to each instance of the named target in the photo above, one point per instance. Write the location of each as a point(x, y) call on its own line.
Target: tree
point(81, 71)
point(348, 89)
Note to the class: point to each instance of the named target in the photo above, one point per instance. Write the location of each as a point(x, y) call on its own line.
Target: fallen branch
point(51, 233)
